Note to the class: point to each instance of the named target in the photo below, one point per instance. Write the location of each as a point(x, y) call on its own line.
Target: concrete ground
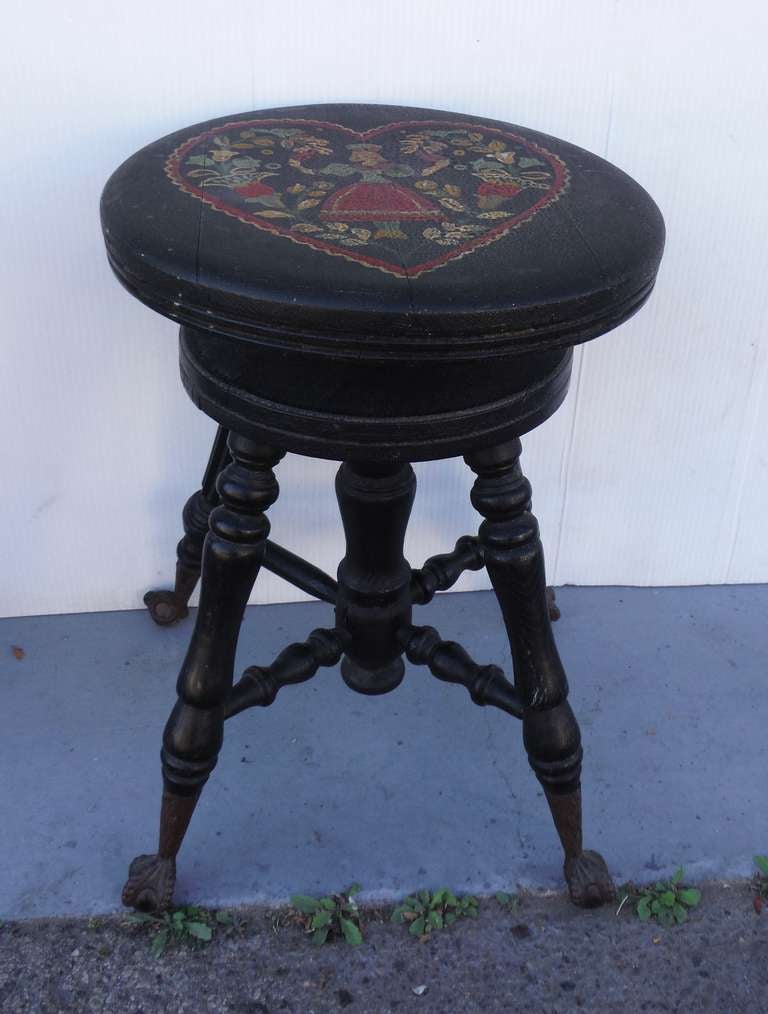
point(418, 788)
point(545, 958)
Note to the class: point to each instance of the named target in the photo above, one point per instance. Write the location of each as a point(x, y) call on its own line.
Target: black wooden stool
point(375, 285)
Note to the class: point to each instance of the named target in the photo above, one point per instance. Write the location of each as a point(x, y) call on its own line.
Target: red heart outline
point(559, 184)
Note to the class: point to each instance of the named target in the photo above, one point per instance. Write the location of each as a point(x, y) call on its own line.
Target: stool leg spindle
point(232, 555)
point(513, 555)
point(166, 606)
point(374, 594)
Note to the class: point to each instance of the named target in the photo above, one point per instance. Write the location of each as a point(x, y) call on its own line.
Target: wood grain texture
point(665, 418)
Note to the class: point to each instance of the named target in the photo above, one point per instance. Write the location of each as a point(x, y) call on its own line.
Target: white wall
point(653, 472)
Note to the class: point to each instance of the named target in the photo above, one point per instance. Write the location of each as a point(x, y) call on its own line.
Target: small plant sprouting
point(189, 924)
point(425, 912)
point(335, 915)
point(511, 902)
point(760, 883)
point(667, 901)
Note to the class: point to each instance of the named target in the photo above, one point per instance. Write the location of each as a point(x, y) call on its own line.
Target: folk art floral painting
point(404, 198)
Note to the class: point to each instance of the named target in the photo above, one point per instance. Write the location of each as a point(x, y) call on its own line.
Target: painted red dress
point(384, 203)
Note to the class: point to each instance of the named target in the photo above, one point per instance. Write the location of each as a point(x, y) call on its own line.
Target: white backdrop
point(655, 471)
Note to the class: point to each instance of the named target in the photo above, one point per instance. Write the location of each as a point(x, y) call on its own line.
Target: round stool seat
point(379, 282)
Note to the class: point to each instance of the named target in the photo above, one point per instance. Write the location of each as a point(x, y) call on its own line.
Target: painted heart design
point(404, 198)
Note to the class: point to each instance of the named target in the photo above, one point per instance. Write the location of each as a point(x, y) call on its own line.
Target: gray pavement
point(418, 788)
point(545, 958)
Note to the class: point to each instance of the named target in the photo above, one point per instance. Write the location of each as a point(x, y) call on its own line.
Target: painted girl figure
point(375, 198)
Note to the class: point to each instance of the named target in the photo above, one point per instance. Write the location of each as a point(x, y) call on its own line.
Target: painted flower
point(222, 154)
point(369, 155)
point(498, 189)
point(306, 144)
point(302, 154)
point(254, 189)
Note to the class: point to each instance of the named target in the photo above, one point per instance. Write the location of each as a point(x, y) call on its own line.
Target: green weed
point(335, 915)
point(425, 912)
point(189, 924)
point(666, 902)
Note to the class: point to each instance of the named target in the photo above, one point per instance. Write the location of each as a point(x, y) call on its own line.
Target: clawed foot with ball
point(150, 883)
point(589, 881)
point(165, 607)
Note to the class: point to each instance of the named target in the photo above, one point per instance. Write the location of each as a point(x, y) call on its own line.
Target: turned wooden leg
point(513, 554)
point(233, 552)
point(374, 595)
point(166, 606)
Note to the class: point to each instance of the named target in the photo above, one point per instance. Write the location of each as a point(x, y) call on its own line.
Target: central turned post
point(374, 597)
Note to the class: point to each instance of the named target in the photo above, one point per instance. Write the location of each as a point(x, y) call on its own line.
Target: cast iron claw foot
point(589, 881)
point(165, 607)
point(150, 883)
